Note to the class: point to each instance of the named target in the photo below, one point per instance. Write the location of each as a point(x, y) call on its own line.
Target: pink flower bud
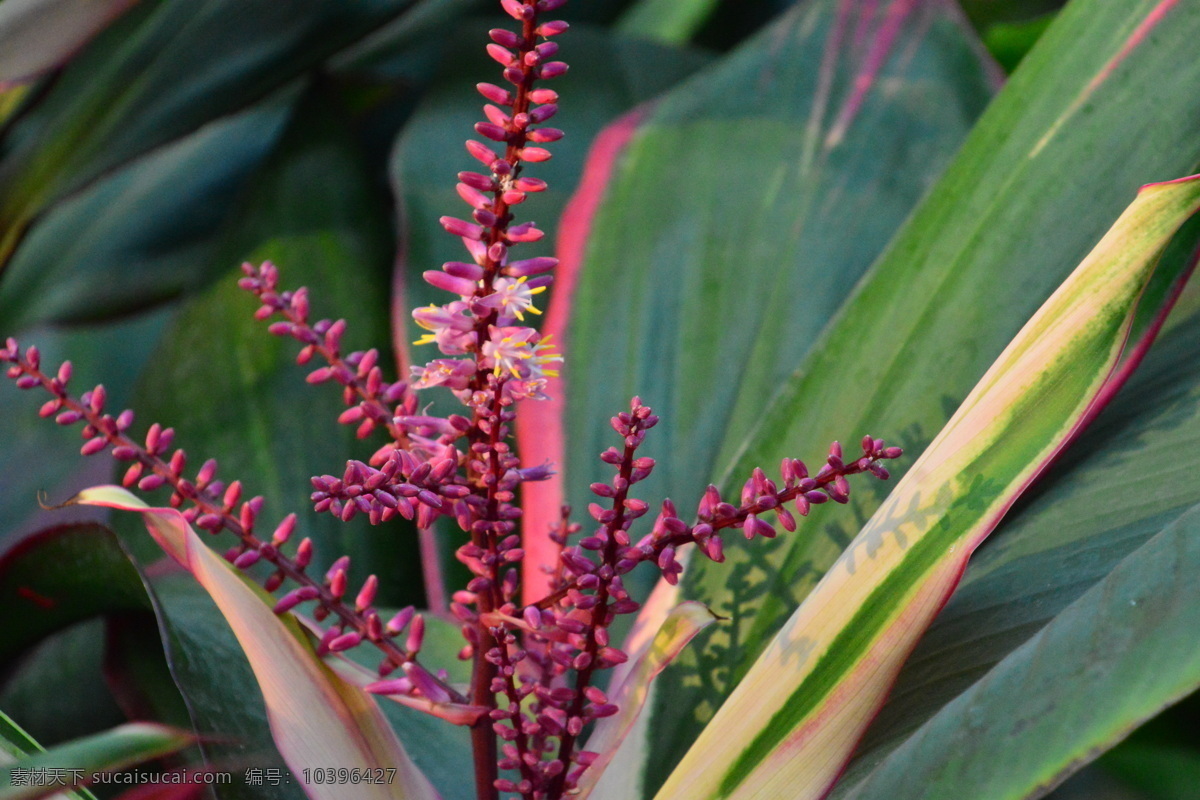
point(449, 283)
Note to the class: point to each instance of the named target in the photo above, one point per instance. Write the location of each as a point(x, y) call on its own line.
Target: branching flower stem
point(209, 510)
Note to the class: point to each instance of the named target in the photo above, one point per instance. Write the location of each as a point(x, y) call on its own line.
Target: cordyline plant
point(553, 694)
point(536, 666)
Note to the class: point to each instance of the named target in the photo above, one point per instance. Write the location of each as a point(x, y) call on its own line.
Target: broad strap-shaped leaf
point(628, 691)
point(38, 35)
point(744, 208)
point(1103, 104)
point(671, 21)
point(23, 777)
point(16, 743)
point(61, 576)
point(315, 212)
point(317, 719)
point(215, 679)
point(161, 72)
point(1125, 481)
point(147, 233)
point(792, 722)
point(541, 426)
point(1112, 659)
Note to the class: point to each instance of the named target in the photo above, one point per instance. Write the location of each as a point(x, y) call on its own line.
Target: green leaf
point(234, 393)
point(713, 262)
point(161, 72)
point(1100, 106)
point(667, 21)
point(1118, 487)
point(795, 717)
point(62, 576)
point(53, 586)
point(121, 747)
point(218, 687)
point(145, 234)
point(15, 742)
point(1010, 42)
point(56, 687)
point(1129, 640)
point(316, 718)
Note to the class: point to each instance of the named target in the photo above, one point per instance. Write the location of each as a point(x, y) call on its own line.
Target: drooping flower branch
point(534, 667)
point(212, 505)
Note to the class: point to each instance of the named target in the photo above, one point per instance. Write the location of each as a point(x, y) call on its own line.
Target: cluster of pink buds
point(495, 292)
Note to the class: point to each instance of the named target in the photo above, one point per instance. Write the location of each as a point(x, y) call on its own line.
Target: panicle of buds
point(760, 498)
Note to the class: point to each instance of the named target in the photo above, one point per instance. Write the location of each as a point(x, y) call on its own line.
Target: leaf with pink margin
point(317, 719)
point(38, 35)
point(117, 749)
point(540, 426)
point(795, 718)
point(629, 692)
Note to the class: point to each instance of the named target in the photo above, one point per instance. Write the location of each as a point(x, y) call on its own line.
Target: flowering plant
point(554, 697)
